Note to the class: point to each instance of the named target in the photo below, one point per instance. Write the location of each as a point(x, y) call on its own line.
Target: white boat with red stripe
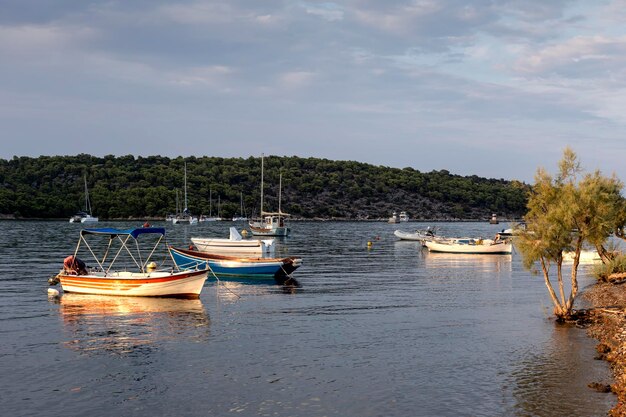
point(123, 248)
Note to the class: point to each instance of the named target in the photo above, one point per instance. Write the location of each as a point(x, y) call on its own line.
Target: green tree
point(564, 213)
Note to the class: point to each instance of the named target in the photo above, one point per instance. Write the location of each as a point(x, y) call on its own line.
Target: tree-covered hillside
point(137, 187)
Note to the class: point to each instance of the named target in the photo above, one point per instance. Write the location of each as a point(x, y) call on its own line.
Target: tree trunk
point(546, 277)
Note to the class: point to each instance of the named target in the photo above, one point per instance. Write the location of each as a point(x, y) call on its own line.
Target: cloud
point(329, 11)
point(32, 40)
point(579, 57)
point(296, 79)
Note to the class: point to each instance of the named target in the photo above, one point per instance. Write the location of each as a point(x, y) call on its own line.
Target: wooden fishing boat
point(122, 245)
point(232, 266)
point(468, 245)
point(235, 244)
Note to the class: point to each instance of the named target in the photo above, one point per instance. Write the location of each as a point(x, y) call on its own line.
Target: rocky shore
point(606, 321)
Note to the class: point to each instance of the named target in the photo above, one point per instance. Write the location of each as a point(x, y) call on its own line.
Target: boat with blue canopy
point(123, 268)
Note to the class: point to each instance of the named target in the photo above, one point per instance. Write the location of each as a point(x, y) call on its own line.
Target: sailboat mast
point(280, 190)
point(185, 186)
point(210, 202)
point(87, 202)
point(262, 157)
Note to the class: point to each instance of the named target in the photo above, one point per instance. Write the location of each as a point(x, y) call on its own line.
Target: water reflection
point(555, 383)
point(232, 290)
point(474, 262)
point(129, 325)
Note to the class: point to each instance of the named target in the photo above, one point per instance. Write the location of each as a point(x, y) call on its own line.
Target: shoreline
point(606, 322)
point(302, 219)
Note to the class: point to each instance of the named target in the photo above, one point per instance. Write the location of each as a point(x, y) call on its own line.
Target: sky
point(494, 88)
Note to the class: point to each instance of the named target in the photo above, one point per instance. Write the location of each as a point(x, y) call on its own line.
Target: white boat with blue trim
point(232, 266)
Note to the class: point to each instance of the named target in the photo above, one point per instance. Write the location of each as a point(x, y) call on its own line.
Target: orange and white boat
point(147, 281)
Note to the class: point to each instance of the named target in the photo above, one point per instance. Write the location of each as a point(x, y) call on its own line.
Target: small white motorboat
point(469, 245)
point(419, 235)
point(234, 245)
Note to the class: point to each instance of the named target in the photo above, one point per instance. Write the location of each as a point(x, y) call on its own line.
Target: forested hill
point(138, 187)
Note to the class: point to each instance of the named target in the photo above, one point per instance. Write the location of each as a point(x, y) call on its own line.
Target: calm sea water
point(390, 330)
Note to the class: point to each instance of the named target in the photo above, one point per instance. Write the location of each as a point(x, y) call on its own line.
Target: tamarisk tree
point(564, 213)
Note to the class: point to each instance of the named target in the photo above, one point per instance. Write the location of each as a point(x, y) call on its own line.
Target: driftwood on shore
point(617, 278)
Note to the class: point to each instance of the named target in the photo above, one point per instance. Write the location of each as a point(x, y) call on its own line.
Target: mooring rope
point(219, 281)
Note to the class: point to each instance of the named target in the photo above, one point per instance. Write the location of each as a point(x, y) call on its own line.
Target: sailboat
point(270, 223)
point(185, 216)
point(242, 217)
point(84, 216)
point(210, 217)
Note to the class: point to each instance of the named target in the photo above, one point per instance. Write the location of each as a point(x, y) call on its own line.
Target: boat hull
point(230, 266)
point(481, 249)
point(186, 284)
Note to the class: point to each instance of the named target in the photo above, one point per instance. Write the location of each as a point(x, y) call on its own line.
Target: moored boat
point(418, 235)
point(185, 217)
point(232, 266)
point(587, 256)
point(234, 245)
point(468, 245)
point(146, 281)
point(84, 216)
point(270, 224)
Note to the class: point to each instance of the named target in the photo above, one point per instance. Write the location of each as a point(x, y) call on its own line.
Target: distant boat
point(270, 224)
point(586, 257)
point(494, 219)
point(146, 281)
point(210, 217)
point(419, 235)
point(232, 266)
point(185, 216)
point(234, 245)
point(242, 217)
point(84, 216)
point(394, 218)
point(403, 216)
point(468, 245)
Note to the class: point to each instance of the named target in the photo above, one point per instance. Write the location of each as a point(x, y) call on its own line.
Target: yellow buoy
point(369, 244)
point(244, 232)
